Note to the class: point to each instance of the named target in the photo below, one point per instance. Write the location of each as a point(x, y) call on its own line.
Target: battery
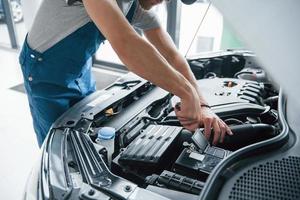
point(193, 164)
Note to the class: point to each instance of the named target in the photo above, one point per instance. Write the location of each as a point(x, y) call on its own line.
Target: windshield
point(203, 29)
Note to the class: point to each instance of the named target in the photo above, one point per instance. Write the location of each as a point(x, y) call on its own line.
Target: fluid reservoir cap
point(106, 133)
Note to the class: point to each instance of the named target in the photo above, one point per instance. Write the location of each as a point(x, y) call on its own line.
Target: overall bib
point(61, 76)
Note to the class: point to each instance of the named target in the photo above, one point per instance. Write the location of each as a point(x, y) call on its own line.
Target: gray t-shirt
point(55, 20)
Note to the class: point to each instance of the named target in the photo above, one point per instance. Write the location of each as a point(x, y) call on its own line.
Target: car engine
point(153, 150)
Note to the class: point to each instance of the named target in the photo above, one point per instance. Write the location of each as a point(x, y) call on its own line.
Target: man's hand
point(210, 121)
point(187, 111)
point(205, 118)
point(162, 41)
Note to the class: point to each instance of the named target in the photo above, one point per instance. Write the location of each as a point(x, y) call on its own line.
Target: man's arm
point(164, 44)
point(140, 56)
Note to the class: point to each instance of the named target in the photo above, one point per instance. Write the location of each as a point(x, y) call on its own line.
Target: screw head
point(91, 192)
point(127, 188)
point(105, 182)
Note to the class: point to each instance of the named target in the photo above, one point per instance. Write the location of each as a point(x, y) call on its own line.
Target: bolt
point(105, 182)
point(127, 188)
point(91, 192)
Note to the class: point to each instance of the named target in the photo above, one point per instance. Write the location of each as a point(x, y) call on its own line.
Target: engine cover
point(222, 91)
point(230, 97)
point(151, 148)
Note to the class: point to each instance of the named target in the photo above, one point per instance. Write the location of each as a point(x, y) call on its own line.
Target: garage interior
point(207, 32)
point(16, 126)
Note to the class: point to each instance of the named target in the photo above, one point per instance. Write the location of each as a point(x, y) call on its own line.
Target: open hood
point(271, 29)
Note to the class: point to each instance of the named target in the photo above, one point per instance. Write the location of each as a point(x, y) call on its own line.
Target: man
point(56, 59)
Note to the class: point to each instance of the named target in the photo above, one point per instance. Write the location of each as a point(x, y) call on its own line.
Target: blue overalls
point(61, 76)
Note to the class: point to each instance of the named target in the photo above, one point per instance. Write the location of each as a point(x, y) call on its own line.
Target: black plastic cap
point(188, 2)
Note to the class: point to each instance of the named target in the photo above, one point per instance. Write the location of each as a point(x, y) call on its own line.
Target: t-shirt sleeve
point(145, 19)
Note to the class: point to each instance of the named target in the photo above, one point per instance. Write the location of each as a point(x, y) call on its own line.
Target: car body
point(16, 8)
point(155, 158)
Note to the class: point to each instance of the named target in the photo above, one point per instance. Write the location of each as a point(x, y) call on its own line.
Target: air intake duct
point(246, 134)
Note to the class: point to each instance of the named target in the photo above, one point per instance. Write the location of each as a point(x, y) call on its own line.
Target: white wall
point(30, 8)
point(211, 28)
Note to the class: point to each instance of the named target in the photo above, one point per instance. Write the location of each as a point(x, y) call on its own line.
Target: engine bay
point(151, 148)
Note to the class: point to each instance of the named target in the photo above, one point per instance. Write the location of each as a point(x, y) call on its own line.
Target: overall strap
point(130, 13)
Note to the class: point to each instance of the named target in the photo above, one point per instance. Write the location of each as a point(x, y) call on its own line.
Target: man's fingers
point(228, 130)
point(187, 123)
point(184, 113)
point(217, 132)
point(192, 127)
point(183, 117)
point(207, 127)
point(223, 128)
point(208, 119)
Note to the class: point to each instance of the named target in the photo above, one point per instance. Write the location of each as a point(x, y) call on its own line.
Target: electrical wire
point(233, 121)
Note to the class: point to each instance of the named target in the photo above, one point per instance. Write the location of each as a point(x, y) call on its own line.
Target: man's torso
point(55, 20)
